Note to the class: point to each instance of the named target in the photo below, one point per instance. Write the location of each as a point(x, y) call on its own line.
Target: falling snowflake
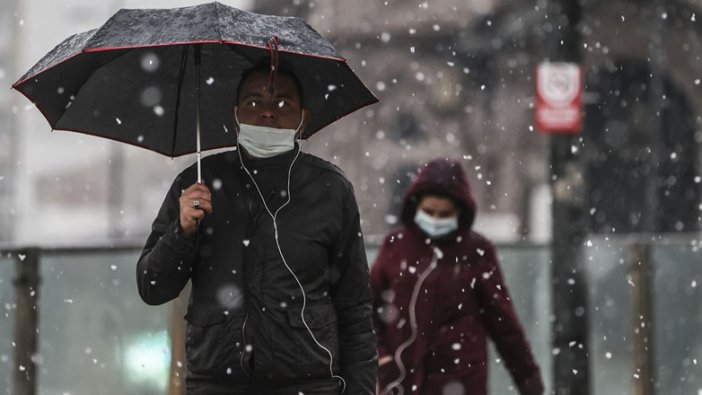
point(150, 62)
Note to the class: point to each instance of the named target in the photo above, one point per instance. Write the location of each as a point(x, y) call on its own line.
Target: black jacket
point(244, 316)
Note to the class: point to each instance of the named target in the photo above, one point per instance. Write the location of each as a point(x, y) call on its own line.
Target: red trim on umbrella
point(275, 60)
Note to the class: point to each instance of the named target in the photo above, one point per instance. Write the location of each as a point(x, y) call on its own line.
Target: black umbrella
point(146, 76)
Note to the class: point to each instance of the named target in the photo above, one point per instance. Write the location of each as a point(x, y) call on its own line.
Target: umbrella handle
point(199, 170)
point(199, 154)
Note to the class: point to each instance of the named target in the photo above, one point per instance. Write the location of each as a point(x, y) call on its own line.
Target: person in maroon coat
point(439, 293)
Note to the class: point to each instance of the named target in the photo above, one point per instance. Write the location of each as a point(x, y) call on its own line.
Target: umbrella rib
point(219, 31)
point(181, 76)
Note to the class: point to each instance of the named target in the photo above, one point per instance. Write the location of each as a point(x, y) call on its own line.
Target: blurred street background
point(456, 78)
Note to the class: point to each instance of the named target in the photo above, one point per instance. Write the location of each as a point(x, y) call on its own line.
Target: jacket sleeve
point(351, 296)
point(167, 258)
point(379, 284)
point(504, 328)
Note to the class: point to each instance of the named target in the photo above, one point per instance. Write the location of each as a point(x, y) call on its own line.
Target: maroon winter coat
point(460, 302)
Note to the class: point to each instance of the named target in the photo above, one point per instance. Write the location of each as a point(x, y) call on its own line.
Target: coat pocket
point(205, 339)
point(321, 320)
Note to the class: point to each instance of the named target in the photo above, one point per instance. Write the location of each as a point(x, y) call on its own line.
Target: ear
point(306, 115)
point(235, 120)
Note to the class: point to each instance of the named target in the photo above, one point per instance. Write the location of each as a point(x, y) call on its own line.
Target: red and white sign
point(559, 91)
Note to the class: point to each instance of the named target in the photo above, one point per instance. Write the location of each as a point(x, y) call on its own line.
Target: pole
point(26, 285)
point(641, 265)
point(568, 287)
point(115, 196)
point(115, 176)
point(641, 272)
point(9, 152)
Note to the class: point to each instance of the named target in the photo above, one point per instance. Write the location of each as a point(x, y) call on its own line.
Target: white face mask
point(435, 227)
point(265, 141)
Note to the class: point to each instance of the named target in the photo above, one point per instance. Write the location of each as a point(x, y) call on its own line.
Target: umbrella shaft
point(199, 154)
point(197, 49)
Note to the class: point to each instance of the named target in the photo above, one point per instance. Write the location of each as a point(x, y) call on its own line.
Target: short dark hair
point(264, 66)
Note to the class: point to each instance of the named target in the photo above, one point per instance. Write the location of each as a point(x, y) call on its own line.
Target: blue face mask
point(433, 227)
point(264, 141)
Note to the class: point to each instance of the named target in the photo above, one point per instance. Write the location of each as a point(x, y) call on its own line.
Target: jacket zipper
point(397, 383)
point(243, 345)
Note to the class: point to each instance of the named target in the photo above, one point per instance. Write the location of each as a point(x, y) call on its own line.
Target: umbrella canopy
point(135, 78)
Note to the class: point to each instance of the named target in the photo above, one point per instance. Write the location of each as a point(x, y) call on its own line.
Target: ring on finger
point(196, 203)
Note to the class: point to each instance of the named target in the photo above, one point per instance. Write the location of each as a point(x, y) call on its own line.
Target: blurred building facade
point(455, 79)
point(7, 141)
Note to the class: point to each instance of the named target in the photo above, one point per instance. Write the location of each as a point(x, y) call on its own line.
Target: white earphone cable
point(274, 217)
point(437, 254)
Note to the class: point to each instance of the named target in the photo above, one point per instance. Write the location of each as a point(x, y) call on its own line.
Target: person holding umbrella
point(271, 241)
point(438, 293)
point(268, 236)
